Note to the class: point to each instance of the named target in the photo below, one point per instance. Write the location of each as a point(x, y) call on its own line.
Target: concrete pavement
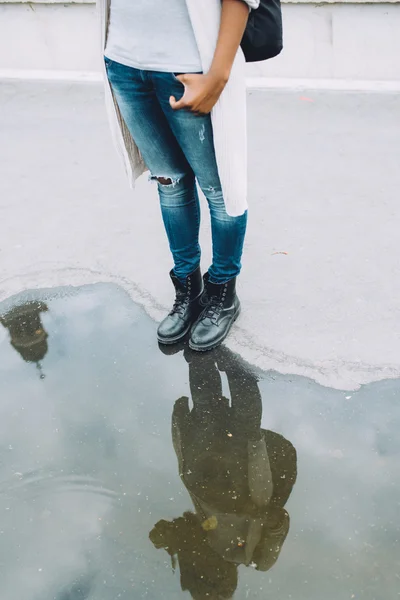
point(324, 183)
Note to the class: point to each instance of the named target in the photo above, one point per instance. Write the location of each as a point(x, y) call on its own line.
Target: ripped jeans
point(178, 148)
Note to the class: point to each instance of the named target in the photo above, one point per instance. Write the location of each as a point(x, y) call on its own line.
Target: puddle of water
point(131, 472)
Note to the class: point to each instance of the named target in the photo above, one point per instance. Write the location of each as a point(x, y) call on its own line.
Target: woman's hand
point(201, 92)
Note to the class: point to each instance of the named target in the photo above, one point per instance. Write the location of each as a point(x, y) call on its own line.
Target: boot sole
point(175, 340)
point(220, 340)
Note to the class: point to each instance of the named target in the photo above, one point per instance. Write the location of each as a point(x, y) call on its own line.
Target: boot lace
point(180, 304)
point(214, 307)
point(182, 299)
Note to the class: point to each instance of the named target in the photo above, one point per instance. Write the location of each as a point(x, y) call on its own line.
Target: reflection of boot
point(221, 309)
point(185, 310)
point(172, 349)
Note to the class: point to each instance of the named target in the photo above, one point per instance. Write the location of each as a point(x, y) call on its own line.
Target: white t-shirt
point(153, 35)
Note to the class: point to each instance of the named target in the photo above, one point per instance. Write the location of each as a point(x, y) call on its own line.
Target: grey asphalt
point(321, 281)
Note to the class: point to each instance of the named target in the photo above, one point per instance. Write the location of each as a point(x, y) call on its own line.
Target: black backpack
point(263, 36)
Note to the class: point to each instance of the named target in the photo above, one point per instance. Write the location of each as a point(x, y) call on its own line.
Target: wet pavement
point(131, 472)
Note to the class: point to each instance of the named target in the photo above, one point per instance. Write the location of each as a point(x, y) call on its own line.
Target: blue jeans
point(178, 148)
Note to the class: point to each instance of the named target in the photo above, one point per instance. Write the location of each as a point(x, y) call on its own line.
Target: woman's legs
point(228, 235)
point(195, 137)
point(140, 108)
point(180, 211)
point(178, 147)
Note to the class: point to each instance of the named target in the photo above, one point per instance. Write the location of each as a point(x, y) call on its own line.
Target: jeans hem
point(211, 280)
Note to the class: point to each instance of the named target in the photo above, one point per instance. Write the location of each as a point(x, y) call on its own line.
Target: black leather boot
point(185, 311)
point(221, 308)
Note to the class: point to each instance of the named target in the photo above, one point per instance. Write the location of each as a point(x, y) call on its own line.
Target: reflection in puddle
point(239, 477)
point(27, 334)
point(79, 590)
point(98, 501)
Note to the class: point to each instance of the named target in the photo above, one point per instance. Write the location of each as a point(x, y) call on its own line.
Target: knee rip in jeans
point(166, 181)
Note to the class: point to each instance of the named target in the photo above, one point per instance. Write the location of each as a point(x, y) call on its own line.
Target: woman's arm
point(202, 91)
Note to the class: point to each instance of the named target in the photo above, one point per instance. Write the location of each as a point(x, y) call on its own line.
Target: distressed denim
point(178, 148)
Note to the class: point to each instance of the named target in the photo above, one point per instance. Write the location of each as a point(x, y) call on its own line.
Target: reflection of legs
point(205, 381)
point(245, 393)
point(206, 387)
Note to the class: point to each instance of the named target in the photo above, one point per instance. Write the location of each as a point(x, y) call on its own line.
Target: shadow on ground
point(264, 485)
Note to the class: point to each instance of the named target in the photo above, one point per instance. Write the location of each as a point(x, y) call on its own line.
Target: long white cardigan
point(228, 115)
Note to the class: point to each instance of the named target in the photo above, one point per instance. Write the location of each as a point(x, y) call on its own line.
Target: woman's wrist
point(234, 18)
point(220, 74)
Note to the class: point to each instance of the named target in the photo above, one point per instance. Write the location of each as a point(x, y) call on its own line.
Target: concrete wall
point(336, 40)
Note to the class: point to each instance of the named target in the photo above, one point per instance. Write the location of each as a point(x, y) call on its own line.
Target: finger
point(177, 105)
point(181, 78)
point(199, 112)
